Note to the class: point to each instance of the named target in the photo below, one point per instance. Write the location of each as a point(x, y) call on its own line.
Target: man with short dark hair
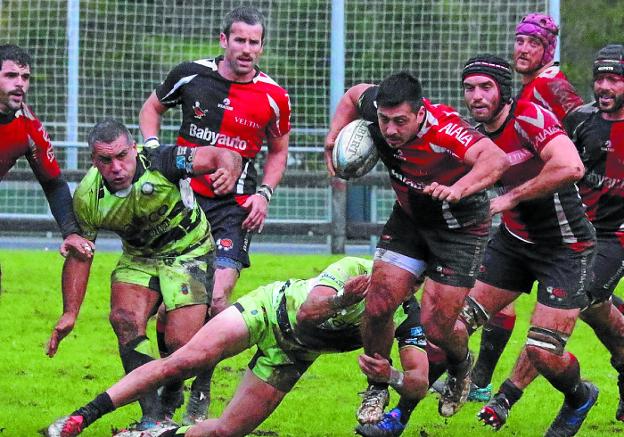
point(227, 102)
point(292, 323)
point(544, 235)
point(439, 168)
point(23, 135)
point(168, 251)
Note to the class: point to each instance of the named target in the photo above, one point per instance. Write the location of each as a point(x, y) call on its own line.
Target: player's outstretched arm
point(74, 285)
point(346, 112)
point(562, 166)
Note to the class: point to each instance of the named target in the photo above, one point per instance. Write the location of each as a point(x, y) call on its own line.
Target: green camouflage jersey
point(157, 216)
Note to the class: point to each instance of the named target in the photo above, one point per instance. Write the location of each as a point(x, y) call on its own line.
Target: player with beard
point(226, 102)
point(545, 84)
point(439, 168)
point(597, 130)
point(23, 135)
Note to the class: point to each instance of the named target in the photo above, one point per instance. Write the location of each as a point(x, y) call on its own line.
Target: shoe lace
point(372, 398)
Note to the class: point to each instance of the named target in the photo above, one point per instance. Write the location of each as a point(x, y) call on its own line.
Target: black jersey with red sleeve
point(222, 113)
point(22, 134)
point(557, 218)
point(552, 90)
point(435, 155)
point(600, 144)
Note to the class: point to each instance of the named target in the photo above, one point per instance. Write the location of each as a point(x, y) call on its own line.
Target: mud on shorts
point(226, 217)
point(183, 280)
point(608, 268)
point(563, 272)
point(272, 364)
point(453, 256)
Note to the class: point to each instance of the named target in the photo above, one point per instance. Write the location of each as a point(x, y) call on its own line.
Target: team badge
point(184, 289)
point(147, 188)
point(198, 112)
point(225, 244)
point(556, 294)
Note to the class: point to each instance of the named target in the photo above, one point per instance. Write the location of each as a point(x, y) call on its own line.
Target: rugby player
point(291, 323)
point(226, 102)
point(439, 168)
point(23, 135)
point(544, 236)
point(168, 251)
point(545, 84)
point(596, 130)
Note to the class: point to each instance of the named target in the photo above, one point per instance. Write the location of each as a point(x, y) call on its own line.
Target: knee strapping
point(473, 315)
point(547, 339)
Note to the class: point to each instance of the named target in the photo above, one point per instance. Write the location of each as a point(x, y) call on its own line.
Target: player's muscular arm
point(258, 205)
point(562, 166)
point(323, 302)
point(225, 166)
point(150, 116)
point(488, 163)
point(346, 112)
point(74, 285)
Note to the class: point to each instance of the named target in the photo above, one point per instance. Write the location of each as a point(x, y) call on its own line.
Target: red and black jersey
point(552, 90)
point(22, 134)
point(556, 218)
point(600, 143)
point(221, 113)
point(435, 155)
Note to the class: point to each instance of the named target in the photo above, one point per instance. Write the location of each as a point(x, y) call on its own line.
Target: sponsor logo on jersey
point(398, 154)
point(244, 122)
point(539, 139)
point(198, 112)
point(556, 294)
point(216, 138)
point(407, 181)
point(184, 289)
point(225, 105)
point(597, 180)
point(225, 244)
point(147, 188)
point(459, 132)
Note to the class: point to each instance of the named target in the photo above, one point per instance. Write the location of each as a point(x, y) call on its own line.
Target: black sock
point(131, 358)
point(511, 392)
point(377, 385)
point(578, 395)
point(494, 338)
point(406, 406)
point(95, 409)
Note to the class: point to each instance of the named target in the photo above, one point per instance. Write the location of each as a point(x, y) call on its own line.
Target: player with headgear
point(545, 84)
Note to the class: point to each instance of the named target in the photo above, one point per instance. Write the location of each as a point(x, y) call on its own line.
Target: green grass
point(34, 389)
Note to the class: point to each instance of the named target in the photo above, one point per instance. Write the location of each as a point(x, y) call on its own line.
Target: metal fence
point(97, 58)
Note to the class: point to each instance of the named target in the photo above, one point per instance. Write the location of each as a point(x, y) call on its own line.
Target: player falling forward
point(291, 323)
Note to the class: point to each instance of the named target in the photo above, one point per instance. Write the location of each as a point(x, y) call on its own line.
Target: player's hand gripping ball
point(354, 152)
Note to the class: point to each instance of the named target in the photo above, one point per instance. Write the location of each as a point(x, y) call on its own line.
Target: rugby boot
point(480, 394)
point(67, 426)
point(619, 413)
point(389, 426)
point(147, 427)
point(374, 400)
point(457, 388)
point(569, 420)
point(495, 412)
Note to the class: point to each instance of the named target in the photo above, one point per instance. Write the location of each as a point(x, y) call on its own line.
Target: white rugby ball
point(354, 152)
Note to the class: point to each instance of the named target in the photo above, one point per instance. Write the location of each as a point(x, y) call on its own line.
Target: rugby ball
point(354, 152)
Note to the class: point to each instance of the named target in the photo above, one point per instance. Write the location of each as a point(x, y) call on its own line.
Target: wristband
point(396, 378)
point(265, 191)
point(151, 142)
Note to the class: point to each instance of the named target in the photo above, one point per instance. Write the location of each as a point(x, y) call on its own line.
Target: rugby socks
point(569, 382)
point(95, 409)
point(163, 350)
point(494, 338)
point(133, 355)
point(511, 392)
point(406, 406)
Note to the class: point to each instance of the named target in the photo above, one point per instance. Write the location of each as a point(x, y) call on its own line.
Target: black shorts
point(411, 332)
point(226, 217)
point(453, 256)
point(563, 273)
point(608, 269)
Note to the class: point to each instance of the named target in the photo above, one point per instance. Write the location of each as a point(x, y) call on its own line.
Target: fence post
point(336, 89)
point(73, 84)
